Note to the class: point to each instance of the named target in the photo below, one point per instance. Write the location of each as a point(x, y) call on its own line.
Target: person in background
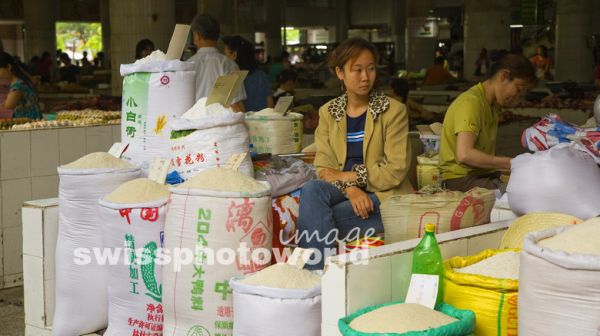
point(258, 88)
point(437, 74)
point(86, 66)
point(143, 48)
point(286, 84)
point(468, 141)
point(440, 53)
point(281, 64)
point(400, 89)
point(32, 66)
point(99, 62)
point(45, 67)
point(21, 98)
point(482, 64)
point(210, 64)
point(68, 72)
point(541, 62)
point(362, 155)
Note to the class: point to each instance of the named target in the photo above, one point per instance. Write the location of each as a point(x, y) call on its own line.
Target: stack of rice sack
point(81, 282)
point(224, 218)
point(278, 300)
point(560, 281)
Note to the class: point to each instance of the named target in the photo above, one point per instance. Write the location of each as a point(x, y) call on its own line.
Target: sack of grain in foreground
point(398, 318)
point(134, 215)
point(531, 222)
point(278, 300)
point(213, 214)
point(560, 281)
point(482, 283)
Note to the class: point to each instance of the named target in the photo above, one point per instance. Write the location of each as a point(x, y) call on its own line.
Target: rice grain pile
point(222, 179)
point(503, 265)
point(531, 222)
point(138, 191)
point(98, 160)
point(582, 238)
point(283, 275)
point(400, 318)
point(200, 110)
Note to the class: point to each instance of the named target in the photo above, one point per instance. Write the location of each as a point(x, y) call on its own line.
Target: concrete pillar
point(40, 27)
point(133, 20)
point(274, 22)
point(487, 25)
point(574, 59)
point(235, 17)
point(419, 50)
point(105, 21)
point(398, 27)
point(341, 29)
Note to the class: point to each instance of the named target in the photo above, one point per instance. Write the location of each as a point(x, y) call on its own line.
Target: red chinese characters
point(239, 216)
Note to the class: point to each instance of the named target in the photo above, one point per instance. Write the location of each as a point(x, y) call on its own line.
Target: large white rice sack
point(559, 292)
point(133, 218)
point(210, 226)
point(279, 300)
point(154, 93)
point(561, 179)
point(206, 137)
point(81, 287)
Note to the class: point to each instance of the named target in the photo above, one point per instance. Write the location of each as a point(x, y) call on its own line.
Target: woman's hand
point(361, 202)
point(332, 175)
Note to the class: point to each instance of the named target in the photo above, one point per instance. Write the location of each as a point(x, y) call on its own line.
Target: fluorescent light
point(516, 26)
point(321, 47)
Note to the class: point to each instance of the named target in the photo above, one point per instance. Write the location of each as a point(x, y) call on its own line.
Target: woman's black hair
point(143, 45)
point(246, 58)
point(6, 59)
point(518, 65)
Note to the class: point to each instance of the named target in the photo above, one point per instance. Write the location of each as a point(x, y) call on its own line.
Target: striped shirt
point(354, 141)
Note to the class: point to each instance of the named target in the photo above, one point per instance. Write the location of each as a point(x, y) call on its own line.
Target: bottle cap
point(429, 227)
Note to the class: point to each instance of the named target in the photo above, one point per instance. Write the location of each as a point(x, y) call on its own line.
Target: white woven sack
point(154, 94)
point(81, 290)
point(561, 179)
point(197, 297)
point(559, 293)
point(213, 141)
point(135, 280)
point(268, 311)
point(275, 134)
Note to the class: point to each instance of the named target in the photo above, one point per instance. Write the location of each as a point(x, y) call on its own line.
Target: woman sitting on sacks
point(468, 140)
point(362, 156)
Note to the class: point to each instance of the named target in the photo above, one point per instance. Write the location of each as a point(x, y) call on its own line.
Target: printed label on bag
point(159, 169)
point(117, 149)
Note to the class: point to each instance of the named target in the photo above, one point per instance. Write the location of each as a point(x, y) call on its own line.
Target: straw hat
point(520, 227)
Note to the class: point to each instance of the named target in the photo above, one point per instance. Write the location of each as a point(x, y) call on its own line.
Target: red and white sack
point(154, 93)
point(404, 216)
point(559, 292)
point(135, 283)
point(82, 283)
point(208, 142)
point(197, 298)
point(562, 179)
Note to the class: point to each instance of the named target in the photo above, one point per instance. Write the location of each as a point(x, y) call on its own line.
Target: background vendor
point(468, 140)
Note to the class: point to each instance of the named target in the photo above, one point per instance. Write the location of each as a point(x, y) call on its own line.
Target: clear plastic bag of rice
point(98, 160)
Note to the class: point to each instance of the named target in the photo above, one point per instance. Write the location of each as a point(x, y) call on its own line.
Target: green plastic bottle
point(427, 259)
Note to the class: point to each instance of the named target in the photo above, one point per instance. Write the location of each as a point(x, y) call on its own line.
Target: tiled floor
point(12, 315)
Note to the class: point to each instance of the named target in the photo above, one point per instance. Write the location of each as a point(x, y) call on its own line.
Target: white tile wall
point(15, 155)
point(33, 270)
point(14, 193)
point(116, 129)
point(44, 152)
point(1, 257)
point(98, 138)
point(369, 284)
point(13, 247)
point(44, 187)
point(483, 242)
point(71, 144)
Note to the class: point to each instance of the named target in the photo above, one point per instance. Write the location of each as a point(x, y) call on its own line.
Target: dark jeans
point(326, 213)
point(464, 184)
